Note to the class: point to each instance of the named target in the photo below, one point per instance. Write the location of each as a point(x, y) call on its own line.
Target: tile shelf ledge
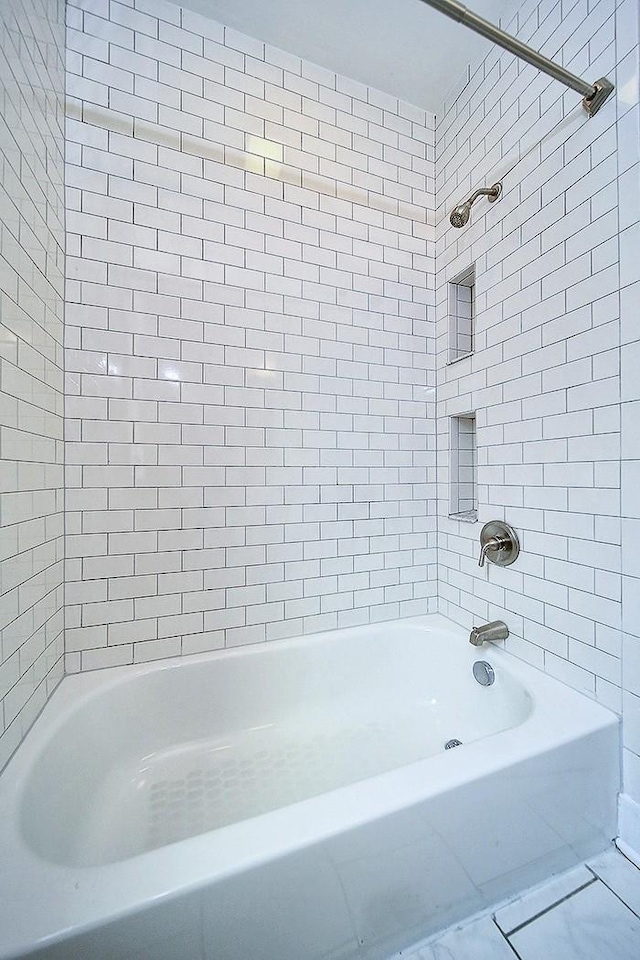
point(463, 356)
point(465, 516)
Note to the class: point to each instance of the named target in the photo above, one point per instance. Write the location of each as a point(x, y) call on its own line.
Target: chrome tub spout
point(489, 632)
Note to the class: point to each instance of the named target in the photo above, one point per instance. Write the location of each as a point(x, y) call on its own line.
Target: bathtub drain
point(450, 744)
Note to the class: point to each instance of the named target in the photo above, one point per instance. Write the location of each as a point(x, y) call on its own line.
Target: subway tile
point(250, 269)
point(340, 284)
point(32, 250)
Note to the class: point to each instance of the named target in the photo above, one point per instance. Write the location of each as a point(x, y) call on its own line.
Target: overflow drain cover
point(484, 673)
point(450, 744)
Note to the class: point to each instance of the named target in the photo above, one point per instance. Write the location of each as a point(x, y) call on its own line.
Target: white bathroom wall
point(553, 258)
point(250, 344)
point(250, 351)
point(31, 360)
point(629, 196)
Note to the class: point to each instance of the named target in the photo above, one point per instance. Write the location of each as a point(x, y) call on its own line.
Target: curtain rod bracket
point(594, 94)
point(602, 89)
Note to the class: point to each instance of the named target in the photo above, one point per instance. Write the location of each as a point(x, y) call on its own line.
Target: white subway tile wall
point(250, 351)
point(252, 354)
point(31, 361)
point(628, 31)
point(551, 275)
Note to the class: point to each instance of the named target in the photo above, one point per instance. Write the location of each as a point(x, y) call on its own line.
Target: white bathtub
point(294, 801)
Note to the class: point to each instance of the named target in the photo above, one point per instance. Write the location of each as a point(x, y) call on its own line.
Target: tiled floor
point(590, 913)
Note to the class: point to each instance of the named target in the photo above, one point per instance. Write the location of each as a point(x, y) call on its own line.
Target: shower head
point(459, 216)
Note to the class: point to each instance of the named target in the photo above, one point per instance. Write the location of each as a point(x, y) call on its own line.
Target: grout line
point(506, 939)
point(548, 909)
point(635, 912)
point(620, 898)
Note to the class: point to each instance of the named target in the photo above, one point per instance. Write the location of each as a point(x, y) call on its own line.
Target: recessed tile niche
point(462, 310)
point(463, 468)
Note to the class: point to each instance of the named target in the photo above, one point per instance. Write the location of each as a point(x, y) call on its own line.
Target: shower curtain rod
point(594, 94)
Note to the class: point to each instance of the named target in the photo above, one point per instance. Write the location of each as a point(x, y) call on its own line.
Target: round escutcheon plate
point(511, 545)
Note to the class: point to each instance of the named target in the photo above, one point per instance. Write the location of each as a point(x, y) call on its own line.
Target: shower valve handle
point(498, 543)
point(493, 543)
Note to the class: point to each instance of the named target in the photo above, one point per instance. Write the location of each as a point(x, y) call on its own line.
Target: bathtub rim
point(70, 892)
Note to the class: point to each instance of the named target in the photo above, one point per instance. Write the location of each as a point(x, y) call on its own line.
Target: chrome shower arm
point(492, 192)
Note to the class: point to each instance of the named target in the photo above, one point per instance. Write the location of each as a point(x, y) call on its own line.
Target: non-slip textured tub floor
point(194, 787)
point(242, 780)
point(590, 913)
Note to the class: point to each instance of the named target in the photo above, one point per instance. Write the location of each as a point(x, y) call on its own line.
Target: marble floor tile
point(543, 897)
point(593, 924)
point(621, 876)
point(480, 940)
point(579, 915)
